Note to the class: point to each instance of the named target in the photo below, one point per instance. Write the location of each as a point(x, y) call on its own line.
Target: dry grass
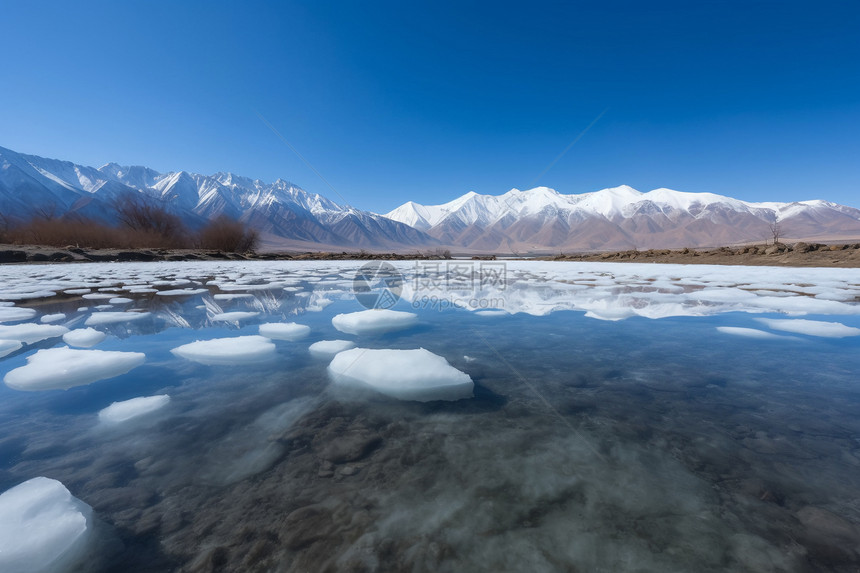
point(143, 223)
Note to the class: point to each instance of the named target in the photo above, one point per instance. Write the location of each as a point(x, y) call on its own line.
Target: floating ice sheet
point(62, 368)
point(108, 317)
point(14, 314)
point(7, 347)
point(328, 348)
point(403, 374)
point(223, 351)
point(30, 332)
point(285, 330)
point(42, 527)
point(51, 318)
point(234, 316)
point(127, 409)
point(181, 292)
point(374, 321)
point(811, 327)
point(750, 332)
point(84, 337)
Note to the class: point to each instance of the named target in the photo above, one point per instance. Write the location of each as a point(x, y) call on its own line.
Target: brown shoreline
point(796, 255)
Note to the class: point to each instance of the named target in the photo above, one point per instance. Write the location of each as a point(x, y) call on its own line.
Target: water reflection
point(622, 445)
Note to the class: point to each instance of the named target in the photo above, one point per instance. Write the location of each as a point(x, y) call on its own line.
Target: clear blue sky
point(393, 101)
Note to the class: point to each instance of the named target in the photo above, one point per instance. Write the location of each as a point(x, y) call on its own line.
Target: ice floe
point(235, 316)
point(328, 348)
point(108, 317)
point(51, 318)
point(181, 292)
point(223, 351)
point(750, 332)
point(7, 347)
point(811, 327)
point(285, 330)
point(64, 367)
point(374, 321)
point(120, 300)
point(127, 409)
point(403, 374)
point(43, 528)
point(98, 296)
point(84, 337)
point(30, 332)
point(14, 314)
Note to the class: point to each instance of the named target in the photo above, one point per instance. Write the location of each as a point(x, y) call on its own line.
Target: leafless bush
point(148, 223)
point(228, 235)
point(442, 253)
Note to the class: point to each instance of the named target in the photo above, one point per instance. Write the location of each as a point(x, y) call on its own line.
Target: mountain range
point(283, 213)
point(534, 220)
point(620, 218)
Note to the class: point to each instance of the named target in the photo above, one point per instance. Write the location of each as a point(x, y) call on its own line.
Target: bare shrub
point(441, 253)
point(228, 235)
point(148, 223)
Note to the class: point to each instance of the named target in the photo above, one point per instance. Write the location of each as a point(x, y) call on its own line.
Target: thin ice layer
point(84, 337)
point(63, 368)
point(29, 333)
point(285, 330)
point(127, 409)
point(100, 318)
point(811, 327)
point(374, 321)
point(42, 527)
point(222, 351)
point(328, 348)
point(403, 374)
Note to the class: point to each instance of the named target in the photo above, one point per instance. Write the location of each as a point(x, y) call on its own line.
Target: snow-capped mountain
point(32, 185)
point(542, 219)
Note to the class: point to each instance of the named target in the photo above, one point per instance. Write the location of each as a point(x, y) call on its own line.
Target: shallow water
point(613, 426)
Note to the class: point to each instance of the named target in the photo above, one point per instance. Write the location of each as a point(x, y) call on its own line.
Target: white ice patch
point(231, 296)
point(84, 337)
point(222, 351)
point(30, 332)
point(811, 327)
point(120, 300)
point(42, 527)
point(374, 321)
point(285, 330)
point(126, 410)
point(328, 348)
point(750, 332)
point(108, 317)
point(181, 292)
point(403, 374)
point(98, 296)
point(62, 368)
point(235, 316)
point(7, 347)
point(50, 318)
point(14, 313)
point(492, 312)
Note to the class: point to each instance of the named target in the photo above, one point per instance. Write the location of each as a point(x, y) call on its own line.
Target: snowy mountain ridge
point(281, 210)
point(619, 218)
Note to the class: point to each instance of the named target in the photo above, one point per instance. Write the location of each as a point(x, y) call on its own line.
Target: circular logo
point(377, 284)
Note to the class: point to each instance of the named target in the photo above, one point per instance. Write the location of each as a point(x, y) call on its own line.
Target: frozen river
point(560, 417)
